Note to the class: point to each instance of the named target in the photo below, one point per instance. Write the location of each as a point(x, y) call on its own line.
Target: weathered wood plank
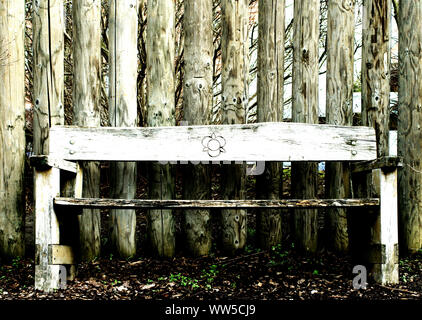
point(123, 57)
point(270, 91)
point(197, 110)
point(305, 109)
point(208, 204)
point(247, 142)
point(12, 128)
point(86, 107)
point(339, 110)
point(47, 187)
point(409, 125)
point(380, 163)
point(46, 162)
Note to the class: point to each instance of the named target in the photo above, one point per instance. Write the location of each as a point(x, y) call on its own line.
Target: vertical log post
point(161, 112)
point(270, 109)
point(197, 108)
point(48, 55)
point(123, 113)
point(86, 109)
point(339, 110)
point(383, 238)
point(305, 109)
point(409, 126)
point(235, 74)
point(12, 131)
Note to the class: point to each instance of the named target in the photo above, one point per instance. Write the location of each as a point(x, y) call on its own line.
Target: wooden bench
point(58, 177)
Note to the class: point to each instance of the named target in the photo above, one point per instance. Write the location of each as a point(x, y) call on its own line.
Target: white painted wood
point(388, 272)
point(47, 187)
point(251, 142)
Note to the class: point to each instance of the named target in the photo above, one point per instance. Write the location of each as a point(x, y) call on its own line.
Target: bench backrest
point(279, 141)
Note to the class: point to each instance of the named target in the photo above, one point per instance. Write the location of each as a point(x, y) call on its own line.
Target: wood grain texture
point(123, 24)
point(270, 91)
point(248, 142)
point(46, 188)
point(161, 112)
point(339, 109)
point(197, 110)
point(305, 109)
point(376, 70)
point(86, 108)
point(48, 55)
point(409, 126)
point(141, 203)
point(12, 128)
point(234, 101)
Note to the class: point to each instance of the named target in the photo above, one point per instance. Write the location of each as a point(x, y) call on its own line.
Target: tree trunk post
point(305, 109)
point(270, 109)
point(382, 230)
point(86, 110)
point(12, 128)
point(339, 110)
point(410, 113)
point(197, 108)
point(48, 53)
point(123, 113)
point(161, 112)
point(235, 75)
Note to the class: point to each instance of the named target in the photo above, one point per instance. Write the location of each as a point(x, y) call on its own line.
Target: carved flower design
point(214, 145)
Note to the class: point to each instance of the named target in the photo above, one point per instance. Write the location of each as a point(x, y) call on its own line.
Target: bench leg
point(386, 271)
point(47, 186)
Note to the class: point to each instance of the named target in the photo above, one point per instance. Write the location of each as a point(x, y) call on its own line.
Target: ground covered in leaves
point(278, 274)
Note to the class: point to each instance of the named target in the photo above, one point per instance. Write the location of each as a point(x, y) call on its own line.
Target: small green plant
point(315, 273)
point(111, 257)
point(184, 280)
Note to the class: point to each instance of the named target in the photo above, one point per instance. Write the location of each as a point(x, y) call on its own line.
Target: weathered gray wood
point(234, 96)
point(160, 112)
point(305, 109)
point(86, 107)
point(410, 115)
point(270, 90)
point(339, 109)
point(47, 187)
point(208, 204)
point(123, 26)
point(385, 231)
point(48, 55)
point(12, 128)
point(376, 70)
point(247, 142)
point(45, 162)
point(386, 163)
point(197, 110)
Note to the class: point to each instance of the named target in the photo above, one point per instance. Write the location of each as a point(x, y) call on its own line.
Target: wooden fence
point(48, 77)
